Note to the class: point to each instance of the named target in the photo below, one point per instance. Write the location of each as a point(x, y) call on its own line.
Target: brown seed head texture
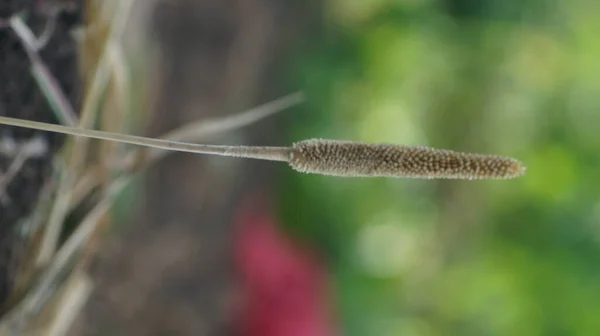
point(344, 158)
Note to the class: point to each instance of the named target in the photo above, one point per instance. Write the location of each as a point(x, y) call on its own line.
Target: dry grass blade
point(61, 106)
point(203, 129)
point(120, 74)
point(78, 149)
point(76, 293)
point(7, 176)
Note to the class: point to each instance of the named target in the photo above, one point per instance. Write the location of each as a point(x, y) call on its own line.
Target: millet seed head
point(344, 158)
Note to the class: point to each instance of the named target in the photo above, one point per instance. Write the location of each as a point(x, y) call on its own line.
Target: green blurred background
point(508, 77)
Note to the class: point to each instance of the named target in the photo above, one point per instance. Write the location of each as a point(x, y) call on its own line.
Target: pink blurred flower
point(285, 287)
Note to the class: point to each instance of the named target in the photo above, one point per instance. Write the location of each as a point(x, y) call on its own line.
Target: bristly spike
point(344, 158)
point(330, 157)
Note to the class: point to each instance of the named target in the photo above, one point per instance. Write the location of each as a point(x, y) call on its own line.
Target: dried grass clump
point(52, 284)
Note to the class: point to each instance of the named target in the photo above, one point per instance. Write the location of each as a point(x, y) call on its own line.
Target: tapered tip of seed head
point(481, 166)
point(498, 167)
point(516, 169)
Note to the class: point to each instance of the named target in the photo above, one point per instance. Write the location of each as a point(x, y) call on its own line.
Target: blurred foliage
point(517, 78)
